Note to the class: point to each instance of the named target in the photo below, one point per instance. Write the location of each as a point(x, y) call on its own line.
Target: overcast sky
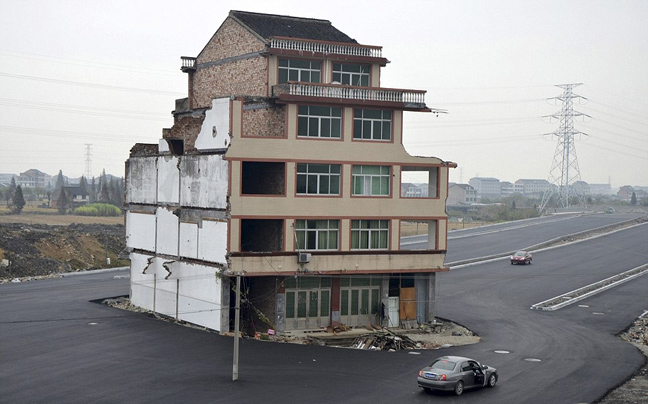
point(107, 73)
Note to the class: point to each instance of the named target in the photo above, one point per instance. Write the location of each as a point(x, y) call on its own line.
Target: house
point(461, 194)
point(34, 178)
point(75, 196)
point(283, 170)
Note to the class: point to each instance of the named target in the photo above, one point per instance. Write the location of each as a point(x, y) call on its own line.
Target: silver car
point(455, 373)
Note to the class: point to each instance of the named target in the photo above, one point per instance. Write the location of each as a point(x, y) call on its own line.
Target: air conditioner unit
point(304, 258)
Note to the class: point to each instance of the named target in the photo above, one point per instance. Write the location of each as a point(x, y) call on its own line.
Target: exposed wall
point(229, 65)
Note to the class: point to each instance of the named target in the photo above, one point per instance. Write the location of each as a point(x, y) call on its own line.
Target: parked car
point(521, 257)
point(610, 209)
point(456, 373)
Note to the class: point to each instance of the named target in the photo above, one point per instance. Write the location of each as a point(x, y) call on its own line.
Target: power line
point(90, 85)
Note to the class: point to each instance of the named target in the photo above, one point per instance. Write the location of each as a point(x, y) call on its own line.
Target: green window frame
point(306, 71)
point(351, 74)
point(318, 121)
point(371, 180)
point(317, 234)
point(372, 124)
point(369, 234)
point(318, 179)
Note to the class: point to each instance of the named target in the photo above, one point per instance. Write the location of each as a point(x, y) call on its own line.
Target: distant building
point(5, 179)
point(486, 187)
point(461, 194)
point(509, 188)
point(533, 187)
point(601, 189)
point(34, 179)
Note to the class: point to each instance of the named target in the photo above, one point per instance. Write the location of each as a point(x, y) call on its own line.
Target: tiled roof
point(270, 25)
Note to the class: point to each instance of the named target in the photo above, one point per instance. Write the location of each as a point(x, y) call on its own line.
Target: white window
point(369, 234)
point(351, 74)
point(371, 180)
point(318, 179)
point(317, 234)
point(372, 124)
point(299, 70)
point(324, 122)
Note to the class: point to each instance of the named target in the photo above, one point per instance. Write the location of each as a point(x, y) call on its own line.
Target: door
point(393, 306)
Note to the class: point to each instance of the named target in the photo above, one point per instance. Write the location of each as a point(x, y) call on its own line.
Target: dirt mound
point(28, 250)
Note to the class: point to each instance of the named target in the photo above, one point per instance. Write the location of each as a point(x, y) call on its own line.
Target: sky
point(82, 81)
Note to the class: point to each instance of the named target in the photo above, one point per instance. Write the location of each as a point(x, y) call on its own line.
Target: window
point(318, 179)
point(372, 124)
point(299, 70)
point(371, 180)
point(319, 122)
point(369, 234)
point(317, 234)
point(355, 75)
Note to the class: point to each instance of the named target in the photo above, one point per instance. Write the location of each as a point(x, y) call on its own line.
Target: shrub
point(98, 209)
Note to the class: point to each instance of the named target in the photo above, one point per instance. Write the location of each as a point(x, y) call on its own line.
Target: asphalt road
point(56, 346)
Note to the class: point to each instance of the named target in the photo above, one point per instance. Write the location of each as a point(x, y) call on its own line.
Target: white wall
point(204, 181)
point(168, 183)
point(142, 180)
point(214, 133)
point(140, 230)
point(191, 293)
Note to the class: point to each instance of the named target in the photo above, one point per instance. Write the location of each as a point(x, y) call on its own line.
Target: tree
point(633, 199)
point(63, 202)
point(18, 201)
point(60, 182)
point(11, 191)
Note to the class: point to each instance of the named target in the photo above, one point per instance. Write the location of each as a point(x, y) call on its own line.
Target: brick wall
point(245, 76)
point(185, 128)
point(265, 122)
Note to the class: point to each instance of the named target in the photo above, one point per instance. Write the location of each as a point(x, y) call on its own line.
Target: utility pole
point(564, 169)
point(237, 321)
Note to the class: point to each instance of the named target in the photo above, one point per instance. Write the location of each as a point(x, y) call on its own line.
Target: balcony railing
point(326, 47)
point(188, 63)
point(414, 98)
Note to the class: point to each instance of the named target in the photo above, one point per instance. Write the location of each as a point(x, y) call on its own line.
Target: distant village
point(44, 190)
point(38, 185)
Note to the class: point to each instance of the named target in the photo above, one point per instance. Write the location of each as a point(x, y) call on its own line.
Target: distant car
point(521, 257)
point(456, 373)
point(609, 209)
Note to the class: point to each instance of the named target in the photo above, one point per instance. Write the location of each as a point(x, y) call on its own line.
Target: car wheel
point(512, 262)
point(459, 388)
point(492, 380)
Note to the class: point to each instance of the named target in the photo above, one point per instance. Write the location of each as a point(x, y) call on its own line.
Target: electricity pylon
point(88, 161)
point(564, 171)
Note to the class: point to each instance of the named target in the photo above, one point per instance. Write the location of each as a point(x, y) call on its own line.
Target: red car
point(521, 257)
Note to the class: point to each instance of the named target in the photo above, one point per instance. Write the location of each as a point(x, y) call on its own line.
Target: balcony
point(412, 100)
point(279, 44)
point(188, 64)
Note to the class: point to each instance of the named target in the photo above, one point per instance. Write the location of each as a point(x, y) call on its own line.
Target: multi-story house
point(33, 178)
point(461, 194)
point(283, 169)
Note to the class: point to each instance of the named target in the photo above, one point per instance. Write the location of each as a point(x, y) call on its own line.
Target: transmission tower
point(88, 161)
point(564, 173)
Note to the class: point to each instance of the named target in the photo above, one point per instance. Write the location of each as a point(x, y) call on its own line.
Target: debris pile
point(385, 341)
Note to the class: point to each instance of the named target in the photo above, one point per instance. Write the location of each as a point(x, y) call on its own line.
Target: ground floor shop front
point(308, 302)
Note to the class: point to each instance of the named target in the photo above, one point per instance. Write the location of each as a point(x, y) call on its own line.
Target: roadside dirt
point(34, 246)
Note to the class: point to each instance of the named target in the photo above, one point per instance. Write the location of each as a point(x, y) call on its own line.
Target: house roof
point(271, 25)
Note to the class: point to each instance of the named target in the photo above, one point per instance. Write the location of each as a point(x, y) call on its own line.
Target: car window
point(443, 364)
point(465, 367)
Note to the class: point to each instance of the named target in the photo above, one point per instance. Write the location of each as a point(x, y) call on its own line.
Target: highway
point(57, 346)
